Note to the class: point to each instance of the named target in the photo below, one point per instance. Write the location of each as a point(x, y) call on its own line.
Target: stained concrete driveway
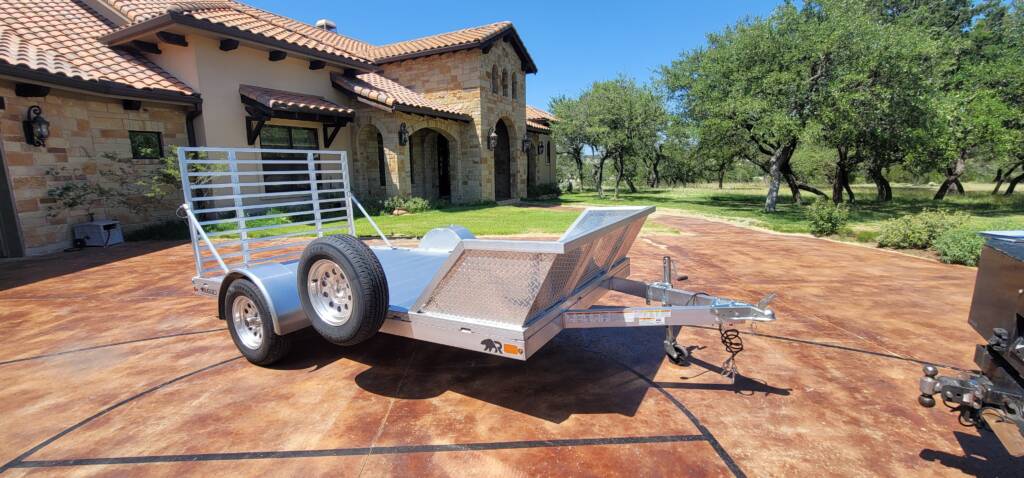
point(112, 367)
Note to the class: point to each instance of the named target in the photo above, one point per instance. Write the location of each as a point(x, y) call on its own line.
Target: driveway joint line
point(361, 451)
point(21, 458)
point(115, 344)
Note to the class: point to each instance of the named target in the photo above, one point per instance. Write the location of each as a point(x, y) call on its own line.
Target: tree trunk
point(882, 187)
point(599, 176)
point(837, 182)
point(953, 174)
point(811, 189)
point(849, 190)
point(618, 174)
point(721, 177)
point(1013, 184)
point(774, 176)
point(780, 158)
point(796, 185)
point(577, 156)
point(1002, 177)
point(630, 185)
point(654, 178)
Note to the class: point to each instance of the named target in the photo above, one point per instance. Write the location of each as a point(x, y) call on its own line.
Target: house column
point(396, 157)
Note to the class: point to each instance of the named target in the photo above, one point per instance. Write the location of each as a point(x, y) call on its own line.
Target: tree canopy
point(926, 88)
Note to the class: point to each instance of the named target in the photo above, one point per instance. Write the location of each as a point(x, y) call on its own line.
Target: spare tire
point(342, 289)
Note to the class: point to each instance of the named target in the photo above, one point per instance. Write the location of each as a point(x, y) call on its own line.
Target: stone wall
point(451, 79)
point(462, 80)
point(464, 167)
point(544, 164)
point(495, 107)
point(84, 131)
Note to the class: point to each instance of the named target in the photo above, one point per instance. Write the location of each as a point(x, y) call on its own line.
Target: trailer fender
point(277, 284)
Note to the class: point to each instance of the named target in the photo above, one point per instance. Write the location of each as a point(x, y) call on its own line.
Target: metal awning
point(263, 104)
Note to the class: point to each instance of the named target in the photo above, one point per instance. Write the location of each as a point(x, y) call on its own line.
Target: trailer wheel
point(342, 289)
point(250, 325)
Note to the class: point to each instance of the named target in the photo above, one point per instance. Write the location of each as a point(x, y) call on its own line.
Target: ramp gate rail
point(247, 206)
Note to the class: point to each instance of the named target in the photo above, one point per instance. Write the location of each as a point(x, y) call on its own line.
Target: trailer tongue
point(500, 297)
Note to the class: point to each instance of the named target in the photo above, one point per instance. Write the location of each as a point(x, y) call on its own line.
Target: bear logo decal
point(491, 346)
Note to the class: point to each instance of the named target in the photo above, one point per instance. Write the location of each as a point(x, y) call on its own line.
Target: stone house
point(120, 81)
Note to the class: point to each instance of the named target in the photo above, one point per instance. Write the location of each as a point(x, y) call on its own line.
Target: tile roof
point(288, 101)
point(535, 113)
point(18, 52)
point(60, 37)
point(63, 37)
point(466, 37)
point(252, 20)
point(242, 17)
point(379, 89)
point(538, 119)
point(531, 124)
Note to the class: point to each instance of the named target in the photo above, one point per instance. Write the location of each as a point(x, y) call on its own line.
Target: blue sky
point(574, 43)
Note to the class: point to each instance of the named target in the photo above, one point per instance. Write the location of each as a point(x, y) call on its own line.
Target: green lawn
point(743, 202)
point(738, 202)
point(482, 220)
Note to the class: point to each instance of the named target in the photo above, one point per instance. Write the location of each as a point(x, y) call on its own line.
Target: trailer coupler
point(679, 308)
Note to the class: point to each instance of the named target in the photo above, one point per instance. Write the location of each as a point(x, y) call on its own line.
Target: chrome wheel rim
point(247, 322)
point(330, 292)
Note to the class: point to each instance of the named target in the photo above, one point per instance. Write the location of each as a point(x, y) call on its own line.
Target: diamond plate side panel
point(600, 255)
point(559, 281)
point(498, 286)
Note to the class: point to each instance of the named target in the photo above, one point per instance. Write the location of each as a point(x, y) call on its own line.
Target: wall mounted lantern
point(403, 135)
point(37, 129)
point(526, 145)
point(540, 148)
point(492, 139)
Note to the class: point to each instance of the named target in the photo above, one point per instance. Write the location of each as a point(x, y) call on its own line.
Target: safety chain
point(733, 345)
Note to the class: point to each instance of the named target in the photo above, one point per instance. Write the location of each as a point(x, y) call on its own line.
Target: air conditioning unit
point(98, 234)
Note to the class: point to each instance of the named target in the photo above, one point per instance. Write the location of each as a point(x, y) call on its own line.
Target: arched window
point(504, 82)
point(515, 86)
point(382, 163)
point(494, 79)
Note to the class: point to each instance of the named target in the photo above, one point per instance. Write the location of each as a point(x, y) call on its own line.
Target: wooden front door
point(502, 164)
point(444, 174)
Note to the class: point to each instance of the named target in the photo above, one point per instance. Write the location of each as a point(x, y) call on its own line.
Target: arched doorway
point(502, 164)
point(430, 164)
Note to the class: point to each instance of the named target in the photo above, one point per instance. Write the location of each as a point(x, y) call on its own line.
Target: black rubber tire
point(274, 347)
point(366, 277)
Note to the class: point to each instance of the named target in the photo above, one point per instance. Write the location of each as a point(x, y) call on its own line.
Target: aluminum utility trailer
point(251, 213)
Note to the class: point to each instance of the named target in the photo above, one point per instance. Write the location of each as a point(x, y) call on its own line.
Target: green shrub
point(920, 230)
point(866, 236)
point(173, 229)
point(411, 204)
point(274, 221)
point(827, 218)
point(959, 246)
point(547, 189)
